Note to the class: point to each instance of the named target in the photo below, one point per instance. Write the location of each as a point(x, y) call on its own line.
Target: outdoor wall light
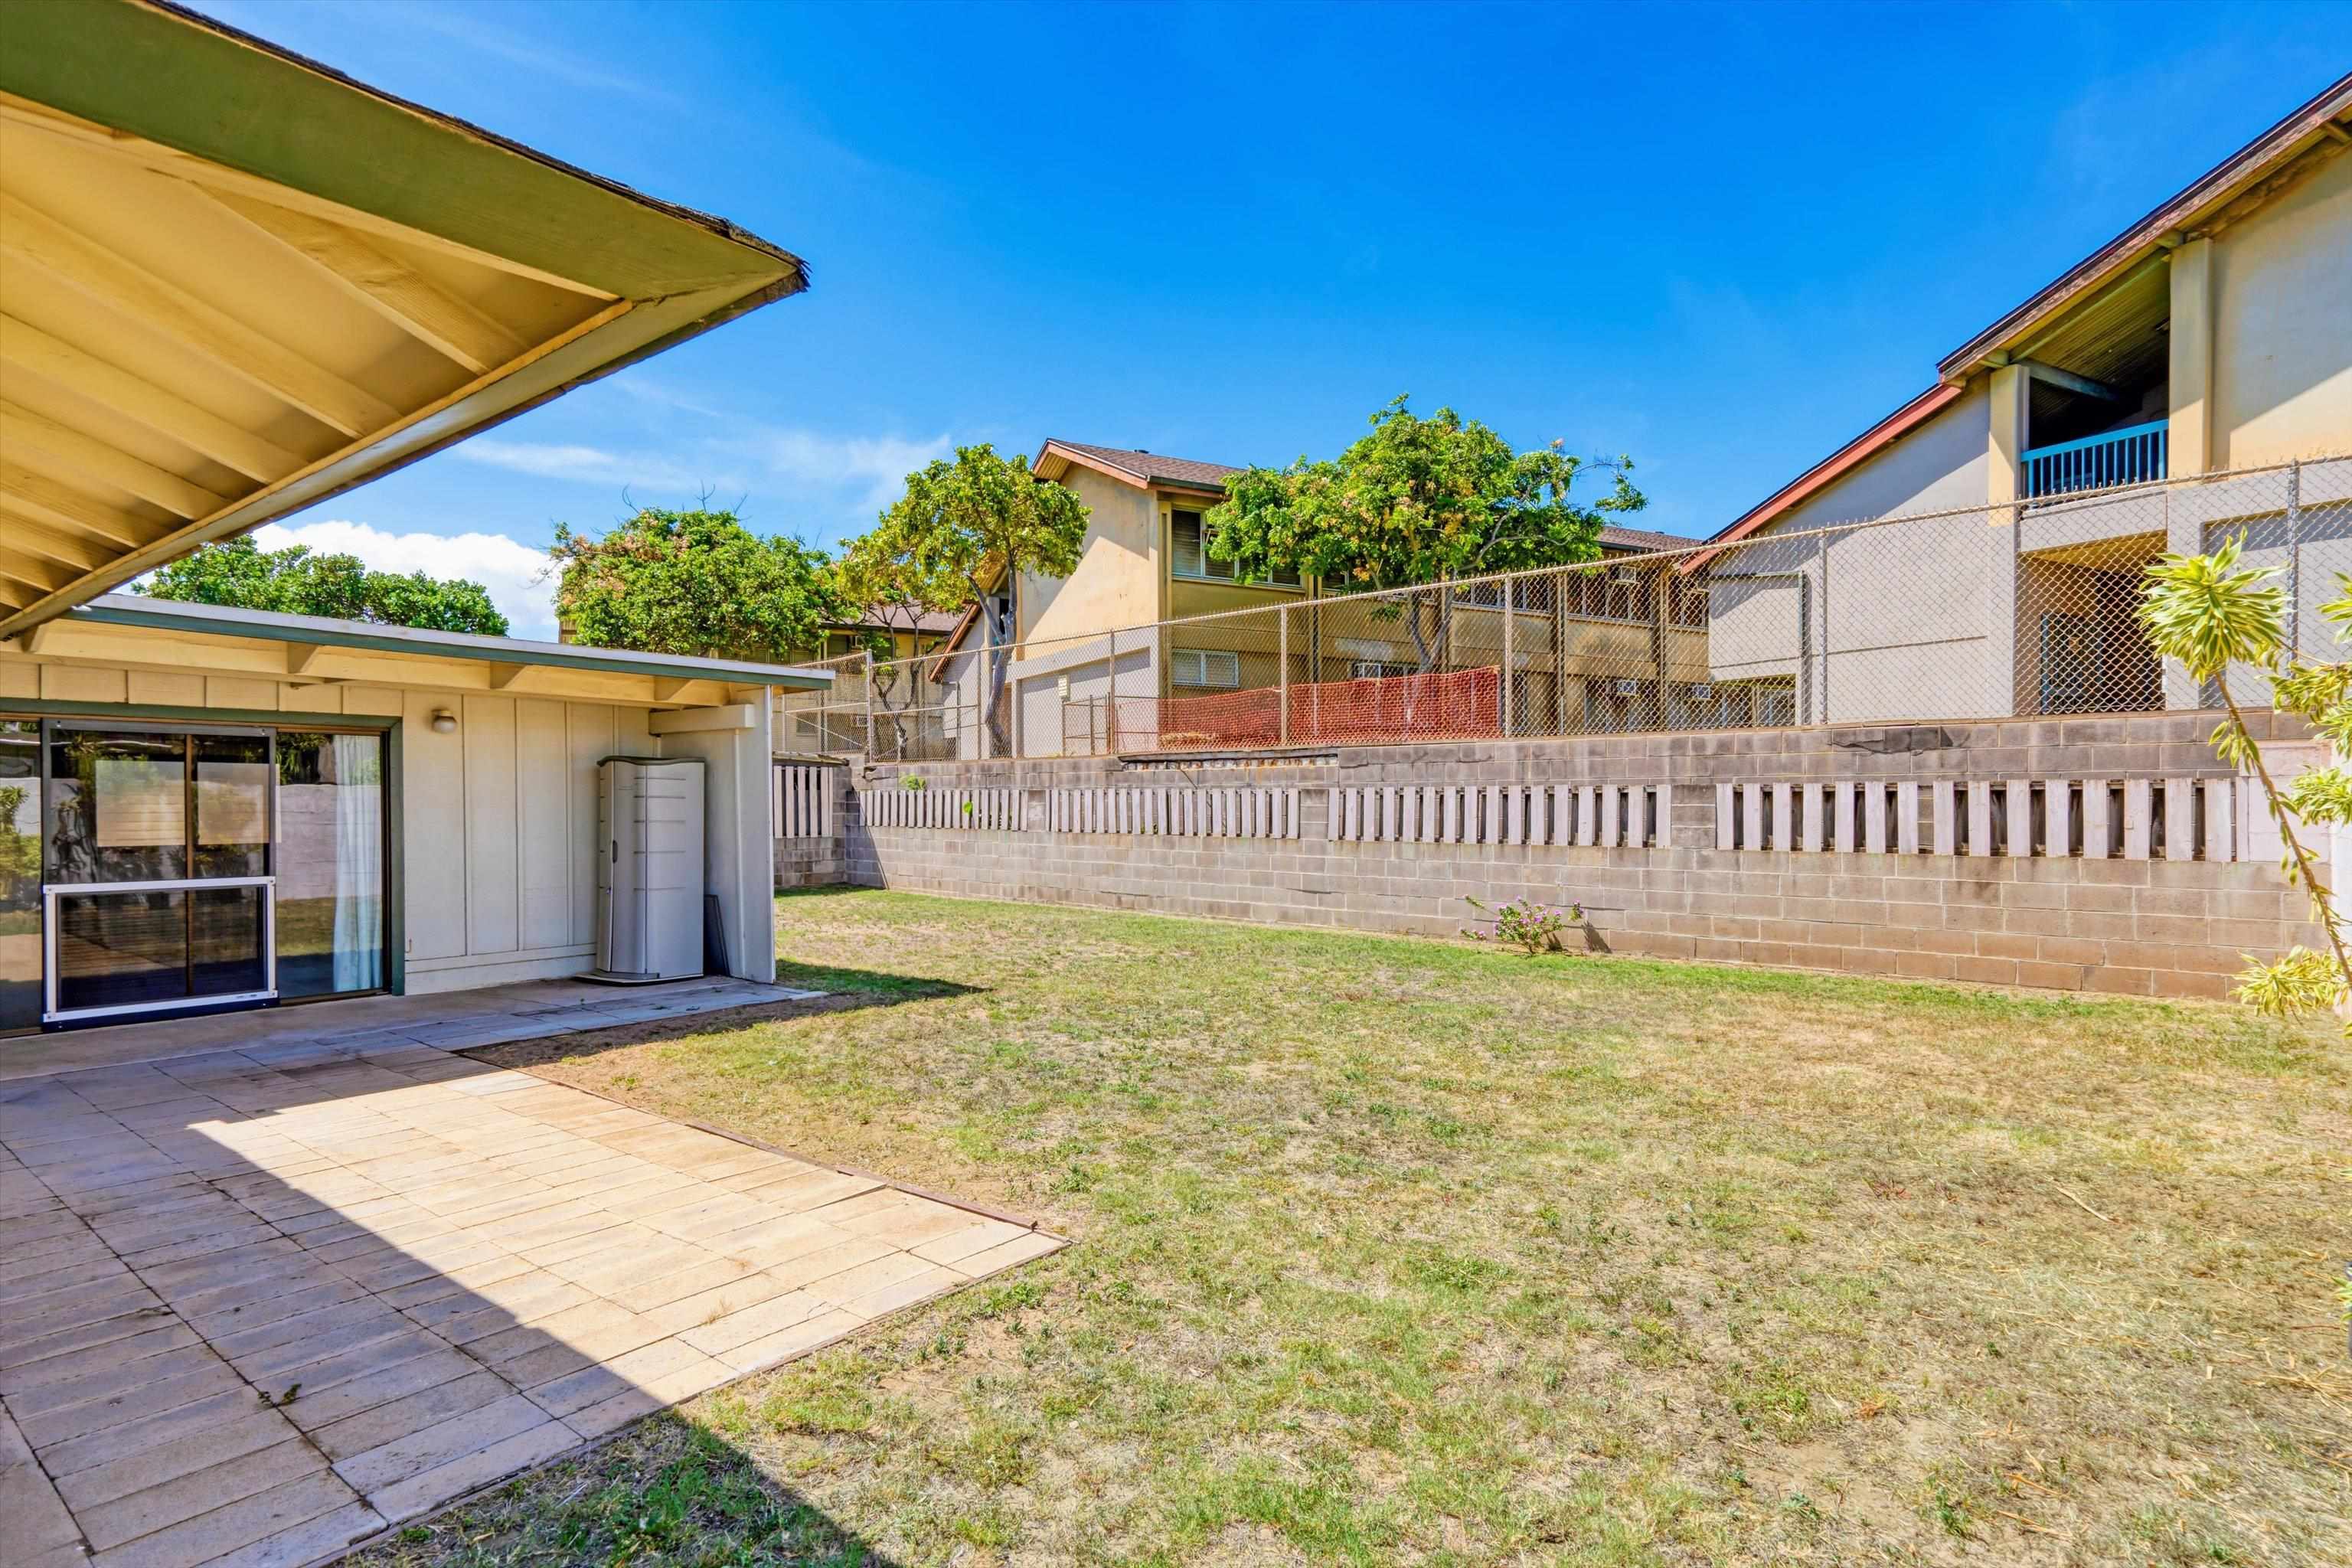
point(443, 721)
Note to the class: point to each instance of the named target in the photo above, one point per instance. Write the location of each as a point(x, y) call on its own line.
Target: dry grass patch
point(1397, 1251)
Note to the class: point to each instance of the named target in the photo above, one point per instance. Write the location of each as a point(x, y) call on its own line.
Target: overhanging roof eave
point(213, 620)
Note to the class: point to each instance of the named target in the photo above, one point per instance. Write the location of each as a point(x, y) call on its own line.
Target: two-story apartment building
point(1146, 560)
point(2063, 447)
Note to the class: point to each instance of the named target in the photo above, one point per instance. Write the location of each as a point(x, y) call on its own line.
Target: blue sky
point(1721, 239)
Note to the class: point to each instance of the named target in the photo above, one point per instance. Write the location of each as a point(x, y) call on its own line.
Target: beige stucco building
point(1145, 563)
point(2061, 450)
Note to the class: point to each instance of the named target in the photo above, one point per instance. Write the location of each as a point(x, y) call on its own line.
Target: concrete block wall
point(2151, 927)
point(811, 863)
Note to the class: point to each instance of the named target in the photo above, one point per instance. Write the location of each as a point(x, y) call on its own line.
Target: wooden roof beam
point(28, 347)
point(45, 575)
point(57, 544)
point(35, 239)
point(46, 497)
point(389, 286)
point(21, 427)
point(2068, 380)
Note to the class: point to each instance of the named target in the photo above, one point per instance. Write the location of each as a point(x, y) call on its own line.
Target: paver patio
point(258, 1303)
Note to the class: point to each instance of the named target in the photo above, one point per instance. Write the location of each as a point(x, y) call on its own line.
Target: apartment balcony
point(2130, 455)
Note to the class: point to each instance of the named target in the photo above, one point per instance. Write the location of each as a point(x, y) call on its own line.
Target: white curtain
point(359, 862)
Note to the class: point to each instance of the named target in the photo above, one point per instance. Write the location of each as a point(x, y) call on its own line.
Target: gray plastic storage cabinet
point(648, 869)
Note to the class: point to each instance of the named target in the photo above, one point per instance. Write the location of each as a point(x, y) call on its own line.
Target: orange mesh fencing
point(1462, 703)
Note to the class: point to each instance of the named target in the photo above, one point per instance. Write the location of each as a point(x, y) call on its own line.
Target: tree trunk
point(1000, 634)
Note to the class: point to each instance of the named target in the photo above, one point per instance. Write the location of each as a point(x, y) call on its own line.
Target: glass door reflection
point(159, 860)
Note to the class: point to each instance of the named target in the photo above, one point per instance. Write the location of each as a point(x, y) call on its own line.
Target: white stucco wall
point(2282, 309)
point(1116, 582)
point(1896, 619)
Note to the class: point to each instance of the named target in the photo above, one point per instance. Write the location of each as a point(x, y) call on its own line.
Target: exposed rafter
point(28, 347)
point(22, 428)
point(669, 689)
point(300, 656)
point(56, 544)
point(46, 497)
point(2070, 380)
point(45, 575)
point(35, 239)
point(384, 284)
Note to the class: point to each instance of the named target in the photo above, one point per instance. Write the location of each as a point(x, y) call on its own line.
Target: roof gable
point(1130, 465)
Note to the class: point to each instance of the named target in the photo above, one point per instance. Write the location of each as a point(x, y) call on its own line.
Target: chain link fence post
point(1282, 673)
point(1110, 724)
point(870, 738)
point(2294, 559)
point(1503, 698)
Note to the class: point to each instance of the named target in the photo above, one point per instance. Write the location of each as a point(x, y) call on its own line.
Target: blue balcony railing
point(2126, 457)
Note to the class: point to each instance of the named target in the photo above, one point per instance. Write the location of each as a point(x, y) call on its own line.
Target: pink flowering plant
point(1534, 927)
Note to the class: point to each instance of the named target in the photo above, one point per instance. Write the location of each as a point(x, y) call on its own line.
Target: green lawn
point(1410, 1252)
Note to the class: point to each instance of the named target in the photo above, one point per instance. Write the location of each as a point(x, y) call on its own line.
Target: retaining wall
point(2110, 854)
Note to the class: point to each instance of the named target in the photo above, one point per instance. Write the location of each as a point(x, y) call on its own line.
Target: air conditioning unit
point(649, 869)
point(1701, 691)
point(1627, 688)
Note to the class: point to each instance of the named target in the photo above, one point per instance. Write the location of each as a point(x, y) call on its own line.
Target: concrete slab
point(258, 1303)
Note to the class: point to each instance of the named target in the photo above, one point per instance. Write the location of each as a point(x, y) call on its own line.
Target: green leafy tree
point(1417, 501)
point(897, 590)
point(2212, 614)
point(299, 580)
point(697, 584)
point(962, 531)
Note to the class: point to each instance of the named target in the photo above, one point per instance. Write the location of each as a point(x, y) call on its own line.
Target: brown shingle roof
point(895, 619)
point(1136, 466)
point(1641, 540)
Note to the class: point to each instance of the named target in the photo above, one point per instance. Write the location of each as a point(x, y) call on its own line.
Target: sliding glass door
point(330, 863)
point(20, 874)
point(153, 866)
point(158, 886)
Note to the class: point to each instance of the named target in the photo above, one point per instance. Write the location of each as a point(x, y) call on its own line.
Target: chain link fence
point(1971, 613)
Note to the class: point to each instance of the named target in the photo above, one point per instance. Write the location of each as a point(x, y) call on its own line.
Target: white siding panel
point(589, 731)
point(487, 731)
point(432, 791)
point(542, 824)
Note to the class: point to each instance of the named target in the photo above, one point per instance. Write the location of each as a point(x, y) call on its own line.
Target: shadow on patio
point(262, 1303)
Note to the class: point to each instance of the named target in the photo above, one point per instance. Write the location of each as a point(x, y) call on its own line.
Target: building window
point(1188, 538)
point(1216, 669)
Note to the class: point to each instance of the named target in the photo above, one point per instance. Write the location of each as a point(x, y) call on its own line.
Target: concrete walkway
point(259, 1304)
point(453, 1020)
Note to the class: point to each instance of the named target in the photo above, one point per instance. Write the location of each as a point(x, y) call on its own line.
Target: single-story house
point(237, 283)
point(2212, 336)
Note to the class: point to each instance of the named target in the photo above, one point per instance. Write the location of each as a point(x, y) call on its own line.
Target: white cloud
point(506, 567)
point(874, 467)
point(815, 482)
point(533, 55)
point(591, 465)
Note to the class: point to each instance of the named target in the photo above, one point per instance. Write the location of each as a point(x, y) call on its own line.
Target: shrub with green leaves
point(2210, 614)
point(1526, 924)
